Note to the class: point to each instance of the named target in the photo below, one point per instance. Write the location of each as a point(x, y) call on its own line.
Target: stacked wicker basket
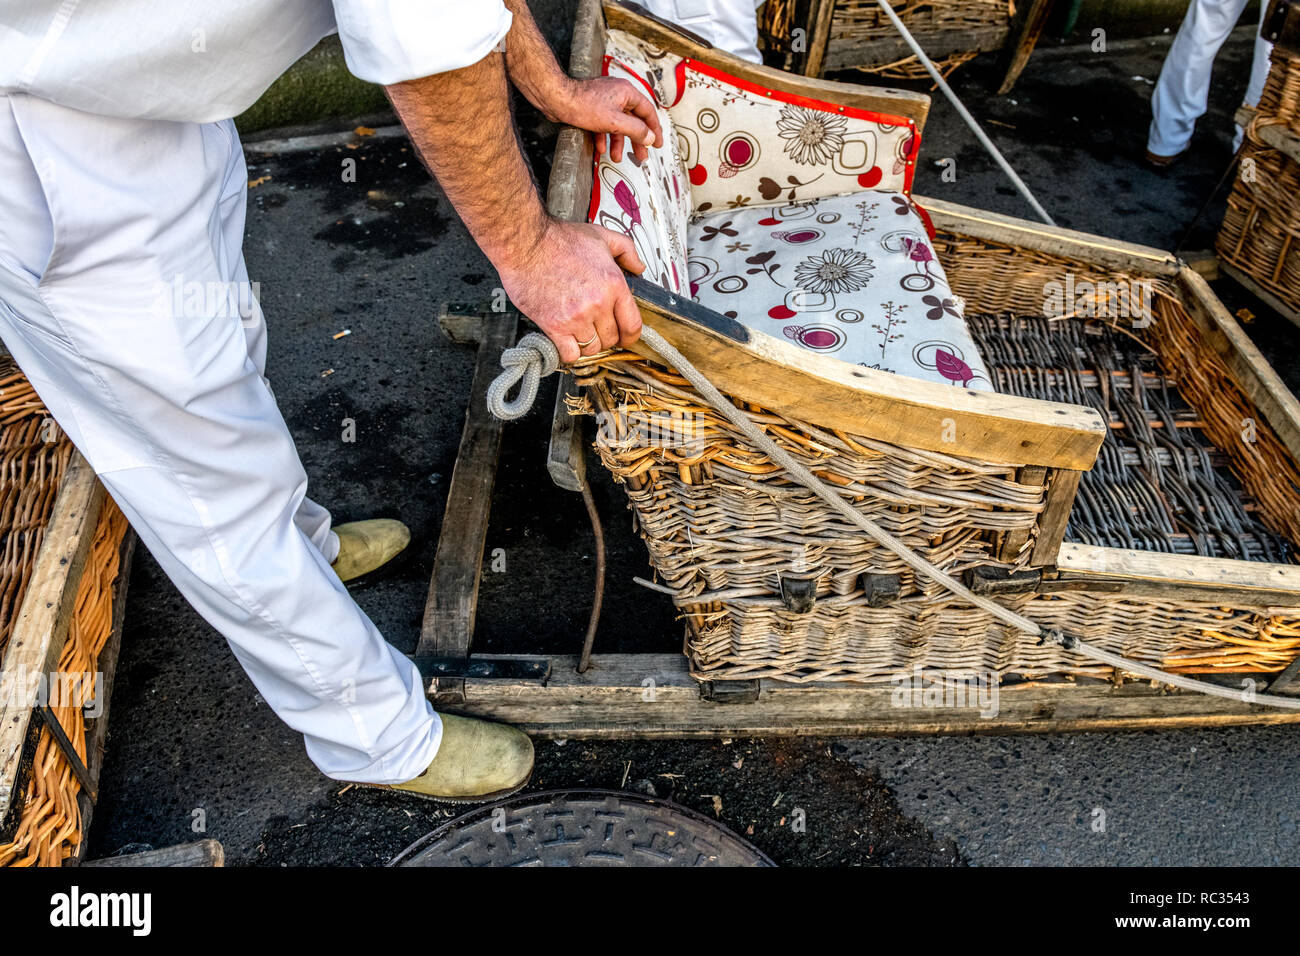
point(861, 36)
point(44, 825)
point(1258, 240)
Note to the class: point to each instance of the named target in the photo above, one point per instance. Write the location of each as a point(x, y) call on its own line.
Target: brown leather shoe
point(1156, 161)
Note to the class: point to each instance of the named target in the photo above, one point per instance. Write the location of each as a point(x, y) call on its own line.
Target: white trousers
point(124, 298)
point(1182, 93)
point(730, 25)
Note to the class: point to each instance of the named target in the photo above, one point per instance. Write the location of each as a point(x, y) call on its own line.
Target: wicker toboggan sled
point(1070, 425)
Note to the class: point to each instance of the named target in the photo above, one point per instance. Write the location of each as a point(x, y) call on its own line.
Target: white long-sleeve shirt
point(204, 60)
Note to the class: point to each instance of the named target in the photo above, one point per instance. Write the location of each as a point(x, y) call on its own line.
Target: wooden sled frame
point(654, 695)
point(648, 696)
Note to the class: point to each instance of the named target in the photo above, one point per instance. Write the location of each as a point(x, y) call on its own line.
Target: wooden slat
point(1099, 251)
point(1014, 541)
point(1062, 486)
point(878, 98)
point(566, 459)
point(449, 611)
point(653, 695)
point(1189, 577)
point(1256, 377)
point(569, 190)
point(820, 15)
point(776, 374)
point(42, 626)
point(199, 853)
point(588, 46)
point(845, 53)
point(1022, 40)
point(569, 193)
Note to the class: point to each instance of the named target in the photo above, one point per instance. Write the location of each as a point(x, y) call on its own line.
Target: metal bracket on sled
point(1282, 25)
point(881, 590)
point(798, 594)
point(491, 668)
point(989, 580)
point(730, 691)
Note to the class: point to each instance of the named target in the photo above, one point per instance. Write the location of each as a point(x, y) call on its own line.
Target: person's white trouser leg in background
point(1182, 92)
point(101, 220)
point(730, 25)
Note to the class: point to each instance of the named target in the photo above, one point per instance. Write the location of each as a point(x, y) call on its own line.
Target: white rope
point(801, 474)
point(965, 114)
point(525, 365)
point(1176, 680)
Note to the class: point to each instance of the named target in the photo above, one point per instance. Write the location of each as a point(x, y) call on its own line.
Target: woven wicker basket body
point(1262, 221)
point(34, 455)
point(727, 529)
point(860, 33)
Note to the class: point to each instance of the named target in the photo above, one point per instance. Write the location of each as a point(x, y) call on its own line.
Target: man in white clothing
point(730, 25)
point(1182, 93)
point(123, 179)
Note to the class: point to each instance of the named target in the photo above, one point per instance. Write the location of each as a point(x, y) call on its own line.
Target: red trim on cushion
point(822, 106)
point(594, 205)
point(679, 77)
point(925, 218)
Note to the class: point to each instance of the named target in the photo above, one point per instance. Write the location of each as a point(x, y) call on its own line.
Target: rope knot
point(525, 365)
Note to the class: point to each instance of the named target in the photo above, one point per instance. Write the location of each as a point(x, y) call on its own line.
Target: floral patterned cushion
point(746, 146)
point(790, 214)
point(852, 276)
point(648, 203)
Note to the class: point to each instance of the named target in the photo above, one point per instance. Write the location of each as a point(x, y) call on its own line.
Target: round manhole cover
point(581, 828)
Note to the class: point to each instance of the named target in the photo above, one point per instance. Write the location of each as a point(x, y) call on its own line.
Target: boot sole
point(382, 572)
point(485, 798)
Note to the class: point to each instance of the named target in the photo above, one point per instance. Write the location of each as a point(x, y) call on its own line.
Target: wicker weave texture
point(49, 825)
point(723, 524)
point(847, 641)
point(856, 24)
point(1262, 220)
point(860, 21)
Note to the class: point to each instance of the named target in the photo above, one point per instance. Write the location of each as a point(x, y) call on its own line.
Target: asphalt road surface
point(192, 749)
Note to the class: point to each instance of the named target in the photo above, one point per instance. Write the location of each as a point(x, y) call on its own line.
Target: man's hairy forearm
point(531, 62)
point(463, 128)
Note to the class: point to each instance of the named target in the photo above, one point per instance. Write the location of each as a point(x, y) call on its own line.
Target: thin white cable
point(965, 114)
point(801, 474)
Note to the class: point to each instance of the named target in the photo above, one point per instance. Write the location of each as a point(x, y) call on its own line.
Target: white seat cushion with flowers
point(789, 214)
point(851, 276)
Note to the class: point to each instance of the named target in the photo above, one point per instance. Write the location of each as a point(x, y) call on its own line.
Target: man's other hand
point(572, 287)
point(612, 109)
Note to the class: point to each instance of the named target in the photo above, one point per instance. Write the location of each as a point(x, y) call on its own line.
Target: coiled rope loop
point(525, 365)
point(531, 365)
